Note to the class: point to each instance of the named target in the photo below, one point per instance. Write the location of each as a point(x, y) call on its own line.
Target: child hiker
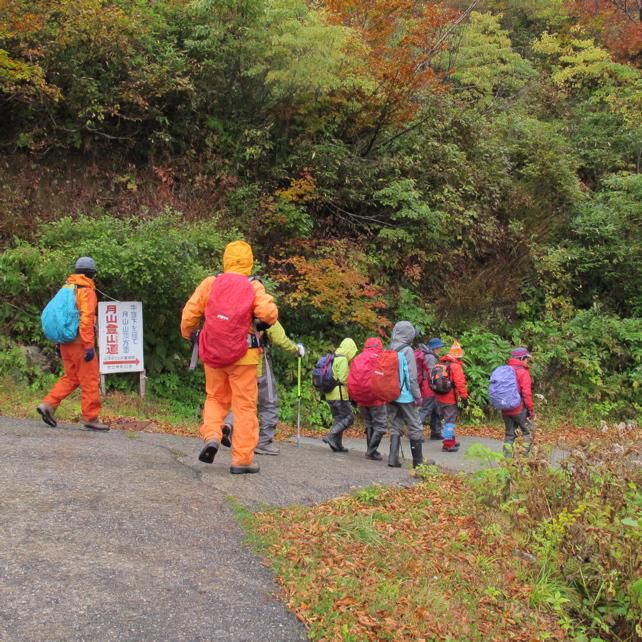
point(522, 416)
point(427, 357)
point(373, 410)
point(449, 383)
point(338, 398)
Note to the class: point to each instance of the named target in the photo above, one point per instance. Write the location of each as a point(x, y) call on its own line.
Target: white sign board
point(120, 336)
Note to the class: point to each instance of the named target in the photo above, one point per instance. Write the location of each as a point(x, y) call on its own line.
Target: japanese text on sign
point(120, 336)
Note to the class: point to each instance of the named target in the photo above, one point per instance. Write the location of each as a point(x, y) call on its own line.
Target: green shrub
point(157, 261)
point(582, 521)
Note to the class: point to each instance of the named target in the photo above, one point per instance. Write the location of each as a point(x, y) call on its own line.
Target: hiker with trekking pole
point(268, 398)
point(229, 347)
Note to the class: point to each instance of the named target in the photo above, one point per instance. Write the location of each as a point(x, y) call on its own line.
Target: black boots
point(373, 444)
point(209, 452)
point(417, 452)
point(393, 455)
point(335, 441)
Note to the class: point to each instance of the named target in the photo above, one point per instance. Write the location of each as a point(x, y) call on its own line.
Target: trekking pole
point(298, 401)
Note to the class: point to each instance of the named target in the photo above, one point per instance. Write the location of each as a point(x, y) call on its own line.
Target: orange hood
point(81, 279)
point(238, 258)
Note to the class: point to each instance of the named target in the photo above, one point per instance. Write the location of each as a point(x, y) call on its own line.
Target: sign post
point(120, 340)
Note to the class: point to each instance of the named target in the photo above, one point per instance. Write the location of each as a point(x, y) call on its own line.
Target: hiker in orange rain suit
point(79, 356)
point(234, 385)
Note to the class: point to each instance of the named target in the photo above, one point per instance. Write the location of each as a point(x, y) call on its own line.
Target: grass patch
point(120, 409)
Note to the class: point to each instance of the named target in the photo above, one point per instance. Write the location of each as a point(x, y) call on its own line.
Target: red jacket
point(524, 385)
point(458, 379)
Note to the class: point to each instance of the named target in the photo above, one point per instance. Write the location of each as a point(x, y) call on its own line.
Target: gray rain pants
point(429, 412)
point(401, 414)
point(342, 416)
point(511, 424)
point(374, 418)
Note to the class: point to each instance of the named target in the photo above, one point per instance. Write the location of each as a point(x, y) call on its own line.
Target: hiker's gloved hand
point(300, 349)
point(90, 353)
point(57, 349)
point(464, 403)
point(194, 337)
point(261, 325)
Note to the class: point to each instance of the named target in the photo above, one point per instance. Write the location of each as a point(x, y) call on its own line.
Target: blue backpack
point(503, 391)
point(61, 319)
point(322, 375)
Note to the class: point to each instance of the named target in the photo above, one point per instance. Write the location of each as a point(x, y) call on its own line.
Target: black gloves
point(90, 353)
point(464, 403)
point(261, 325)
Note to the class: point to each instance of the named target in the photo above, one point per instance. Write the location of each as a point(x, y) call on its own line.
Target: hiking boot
point(245, 470)
point(96, 424)
point(209, 452)
point(46, 411)
point(267, 449)
point(375, 456)
point(226, 440)
point(393, 454)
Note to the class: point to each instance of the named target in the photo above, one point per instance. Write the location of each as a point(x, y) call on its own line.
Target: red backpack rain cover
point(360, 376)
point(228, 319)
point(385, 377)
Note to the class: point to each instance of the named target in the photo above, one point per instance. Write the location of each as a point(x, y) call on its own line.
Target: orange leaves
point(333, 285)
point(616, 23)
point(401, 564)
point(401, 37)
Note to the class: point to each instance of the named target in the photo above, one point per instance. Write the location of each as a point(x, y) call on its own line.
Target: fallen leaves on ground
point(402, 564)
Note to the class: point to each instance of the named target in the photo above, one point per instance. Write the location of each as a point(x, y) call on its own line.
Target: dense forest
point(473, 167)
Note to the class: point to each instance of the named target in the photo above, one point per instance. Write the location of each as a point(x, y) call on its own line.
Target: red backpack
point(385, 377)
point(360, 378)
point(228, 319)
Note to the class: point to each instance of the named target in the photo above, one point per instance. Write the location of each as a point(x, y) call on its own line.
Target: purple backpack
point(503, 390)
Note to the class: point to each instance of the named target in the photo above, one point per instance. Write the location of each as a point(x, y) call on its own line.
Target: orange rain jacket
point(238, 258)
point(86, 301)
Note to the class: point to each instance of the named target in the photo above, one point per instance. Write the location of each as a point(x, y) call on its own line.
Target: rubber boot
point(417, 452)
point(373, 444)
point(450, 446)
point(393, 455)
point(335, 441)
point(339, 441)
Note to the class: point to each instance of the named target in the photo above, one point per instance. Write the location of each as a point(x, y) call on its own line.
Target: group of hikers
point(233, 323)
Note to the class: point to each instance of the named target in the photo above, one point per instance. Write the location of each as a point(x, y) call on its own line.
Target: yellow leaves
point(301, 190)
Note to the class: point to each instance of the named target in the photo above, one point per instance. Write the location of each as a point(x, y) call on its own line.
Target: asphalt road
point(126, 536)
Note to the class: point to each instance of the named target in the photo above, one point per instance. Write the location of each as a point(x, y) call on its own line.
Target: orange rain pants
point(78, 372)
point(235, 385)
